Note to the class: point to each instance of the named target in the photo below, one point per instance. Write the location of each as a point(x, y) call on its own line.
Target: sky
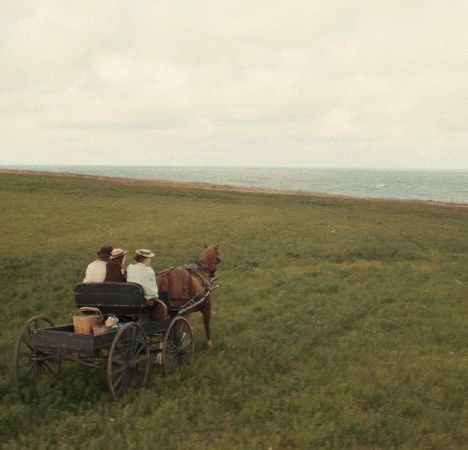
point(329, 83)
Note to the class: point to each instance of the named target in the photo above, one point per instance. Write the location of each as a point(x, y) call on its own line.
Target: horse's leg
point(206, 312)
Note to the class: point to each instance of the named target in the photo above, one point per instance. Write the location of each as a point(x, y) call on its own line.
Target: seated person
point(143, 274)
point(96, 271)
point(114, 267)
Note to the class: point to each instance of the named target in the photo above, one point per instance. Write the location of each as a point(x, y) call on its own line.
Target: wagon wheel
point(128, 362)
point(31, 363)
point(178, 346)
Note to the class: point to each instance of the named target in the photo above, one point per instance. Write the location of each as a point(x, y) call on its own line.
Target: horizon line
point(69, 165)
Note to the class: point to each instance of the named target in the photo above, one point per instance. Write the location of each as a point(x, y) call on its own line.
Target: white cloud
point(360, 83)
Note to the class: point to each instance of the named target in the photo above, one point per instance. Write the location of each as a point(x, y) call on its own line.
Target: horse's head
point(210, 258)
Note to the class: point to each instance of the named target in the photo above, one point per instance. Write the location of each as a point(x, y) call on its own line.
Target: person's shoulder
point(131, 267)
point(96, 262)
point(147, 271)
point(140, 268)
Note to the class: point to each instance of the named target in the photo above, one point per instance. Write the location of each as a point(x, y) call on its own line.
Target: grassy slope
point(341, 323)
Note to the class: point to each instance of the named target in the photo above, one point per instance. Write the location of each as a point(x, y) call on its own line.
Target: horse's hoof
point(209, 344)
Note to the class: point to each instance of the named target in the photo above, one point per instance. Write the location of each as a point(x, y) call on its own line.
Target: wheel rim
point(128, 361)
point(178, 346)
point(31, 363)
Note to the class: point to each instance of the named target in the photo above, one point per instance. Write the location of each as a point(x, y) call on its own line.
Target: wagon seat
point(124, 300)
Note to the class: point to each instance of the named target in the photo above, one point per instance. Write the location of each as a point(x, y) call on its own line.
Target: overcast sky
point(355, 83)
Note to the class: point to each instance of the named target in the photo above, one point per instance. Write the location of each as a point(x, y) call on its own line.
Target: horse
point(178, 285)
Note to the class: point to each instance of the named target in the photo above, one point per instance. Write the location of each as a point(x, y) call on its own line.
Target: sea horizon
point(178, 166)
point(445, 185)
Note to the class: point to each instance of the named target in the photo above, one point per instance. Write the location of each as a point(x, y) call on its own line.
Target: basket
point(85, 324)
point(99, 330)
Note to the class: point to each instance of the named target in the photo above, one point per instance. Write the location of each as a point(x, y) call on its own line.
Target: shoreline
point(212, 187)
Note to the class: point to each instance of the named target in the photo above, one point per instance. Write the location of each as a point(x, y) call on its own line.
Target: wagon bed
point(65, 340)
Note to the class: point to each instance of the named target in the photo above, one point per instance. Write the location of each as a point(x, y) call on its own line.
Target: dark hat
point(105, 252)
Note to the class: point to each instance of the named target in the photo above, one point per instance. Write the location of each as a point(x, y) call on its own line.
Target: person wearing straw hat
point(142, 273)
point(114, 268)
point(96, 271)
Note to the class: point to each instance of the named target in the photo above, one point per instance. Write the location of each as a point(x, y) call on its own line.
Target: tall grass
point(340, 323)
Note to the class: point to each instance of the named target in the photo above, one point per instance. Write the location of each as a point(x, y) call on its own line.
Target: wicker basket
point(84, 324)
point(99, 330)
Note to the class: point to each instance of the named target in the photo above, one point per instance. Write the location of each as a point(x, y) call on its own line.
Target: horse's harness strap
point(203, 265)
point(165, 271)
point(195, 268)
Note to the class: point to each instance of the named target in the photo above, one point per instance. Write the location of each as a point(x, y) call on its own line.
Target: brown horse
point(178, 285)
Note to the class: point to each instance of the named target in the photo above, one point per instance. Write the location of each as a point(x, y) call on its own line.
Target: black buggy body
point(125, 351)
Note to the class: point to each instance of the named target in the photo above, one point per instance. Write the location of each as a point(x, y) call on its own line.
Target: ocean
point(446, 186)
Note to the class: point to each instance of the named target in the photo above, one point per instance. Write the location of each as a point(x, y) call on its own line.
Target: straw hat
point(117, 252)
point(144, 252)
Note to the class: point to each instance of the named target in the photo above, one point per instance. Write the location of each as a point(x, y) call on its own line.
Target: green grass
point(340, 323)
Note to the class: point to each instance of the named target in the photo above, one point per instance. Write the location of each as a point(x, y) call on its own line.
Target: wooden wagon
point(126, 352)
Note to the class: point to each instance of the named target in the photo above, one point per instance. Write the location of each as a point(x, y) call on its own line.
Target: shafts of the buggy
point(195, 301)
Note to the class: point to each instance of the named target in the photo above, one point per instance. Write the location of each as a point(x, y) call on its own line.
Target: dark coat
point(114, 273)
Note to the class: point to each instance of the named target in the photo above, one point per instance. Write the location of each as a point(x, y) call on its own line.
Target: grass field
point(340, 323)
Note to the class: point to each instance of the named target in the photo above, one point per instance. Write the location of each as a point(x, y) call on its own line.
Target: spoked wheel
point(31, 363)
point(178, 346)
point(128, 363)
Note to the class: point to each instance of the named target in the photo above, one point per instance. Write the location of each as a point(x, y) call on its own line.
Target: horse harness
point(199, 269)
